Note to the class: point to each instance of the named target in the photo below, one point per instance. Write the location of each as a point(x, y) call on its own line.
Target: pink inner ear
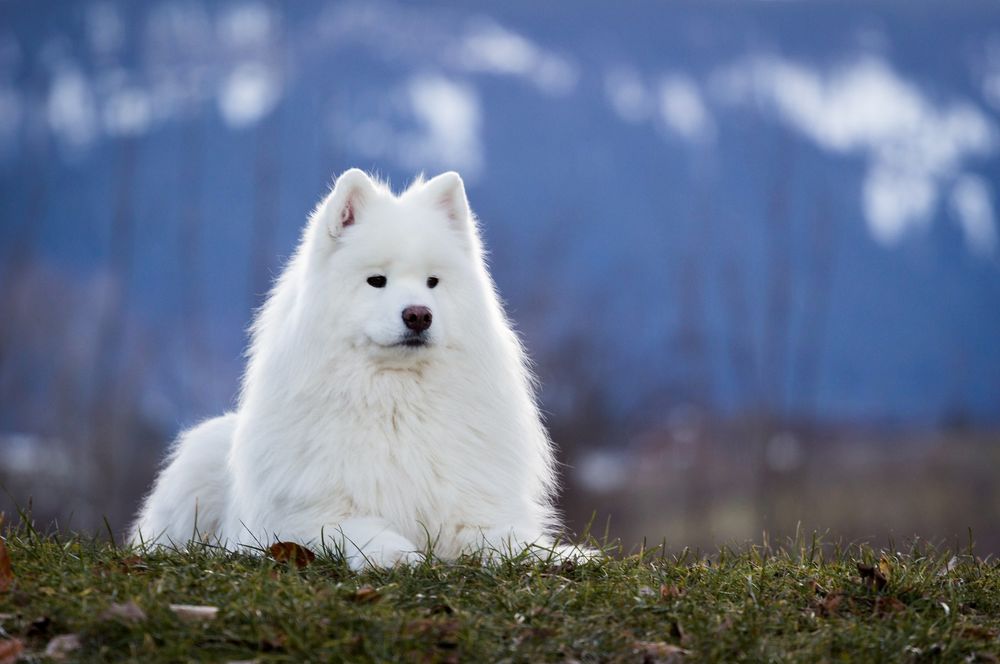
point(347, 214)
point(447, 201)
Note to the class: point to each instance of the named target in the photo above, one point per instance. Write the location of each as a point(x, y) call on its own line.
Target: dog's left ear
point(447, 192)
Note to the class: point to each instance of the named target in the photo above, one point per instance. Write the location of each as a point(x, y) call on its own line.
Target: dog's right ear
point(341, 208)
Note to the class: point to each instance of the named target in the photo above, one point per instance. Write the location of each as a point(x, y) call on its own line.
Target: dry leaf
point(678, 632)
point(829, 605)
point(885, 567)
point(659, 652)
point(885, 606)
point(131, 564)
point(292, 553)
point(272, 642)
point(443, 632)
point(193, 613)
point(670, 592)
point(10, 651)
point(6, 571)
point(872, 577)
point(61, 646)
point(39, 627)
point(366, 594)
point(988, 657)
point(978, 632)
point(129, 612)
point(441, 608)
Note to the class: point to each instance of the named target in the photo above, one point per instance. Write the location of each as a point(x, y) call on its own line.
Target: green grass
point(802, 602)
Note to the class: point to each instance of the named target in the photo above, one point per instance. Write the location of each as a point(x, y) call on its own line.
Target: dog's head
point(399, 271)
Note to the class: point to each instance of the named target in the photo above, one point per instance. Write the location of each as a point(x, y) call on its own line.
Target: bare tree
point(266, 190)
point(112, 397)
point(776, 339)
point(816, 308)
point(190, 174)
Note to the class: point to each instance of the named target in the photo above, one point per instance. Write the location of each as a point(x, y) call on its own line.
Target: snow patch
point(914, 147)
point(248, 94)
point(683, 110)
point(449, 116)
point(70, 109)
point(627, 94)
point(127, 112)
point(105, 29)
point(972, 205)
point(247, 26)
point(491, 48)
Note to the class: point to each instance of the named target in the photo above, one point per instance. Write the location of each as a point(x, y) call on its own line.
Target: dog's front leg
point(367, 542)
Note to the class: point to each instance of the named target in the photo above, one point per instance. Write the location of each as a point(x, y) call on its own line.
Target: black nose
point(417, 319)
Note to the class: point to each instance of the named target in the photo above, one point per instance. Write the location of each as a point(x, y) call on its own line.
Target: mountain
point(780, 206)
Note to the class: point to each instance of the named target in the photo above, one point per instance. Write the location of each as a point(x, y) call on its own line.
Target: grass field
point(82, 599)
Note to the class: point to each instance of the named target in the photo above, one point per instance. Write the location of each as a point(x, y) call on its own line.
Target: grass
point(800, 602)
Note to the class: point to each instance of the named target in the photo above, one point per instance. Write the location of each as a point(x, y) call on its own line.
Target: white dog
point(387, 404)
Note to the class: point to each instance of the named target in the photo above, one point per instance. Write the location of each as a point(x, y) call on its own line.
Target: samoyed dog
point(387, 407)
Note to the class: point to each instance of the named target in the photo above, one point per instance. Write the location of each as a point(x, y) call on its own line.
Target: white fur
point(381, 448)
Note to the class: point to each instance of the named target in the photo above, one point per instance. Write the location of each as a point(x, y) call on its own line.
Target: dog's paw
point(385, 551)
point(499, 544)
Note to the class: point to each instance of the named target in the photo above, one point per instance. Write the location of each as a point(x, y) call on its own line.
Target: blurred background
point(752, 246)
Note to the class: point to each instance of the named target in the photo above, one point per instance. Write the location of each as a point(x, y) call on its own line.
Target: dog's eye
point(378, 281)
point(432, 282)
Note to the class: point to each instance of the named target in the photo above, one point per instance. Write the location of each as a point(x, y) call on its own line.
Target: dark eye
point(378, 281)
point(432, 282)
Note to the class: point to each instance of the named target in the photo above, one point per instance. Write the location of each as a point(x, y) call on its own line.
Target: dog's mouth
point(413, 341)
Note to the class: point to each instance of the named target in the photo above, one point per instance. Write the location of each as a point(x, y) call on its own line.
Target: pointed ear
point(350, 194)
point(447, 191)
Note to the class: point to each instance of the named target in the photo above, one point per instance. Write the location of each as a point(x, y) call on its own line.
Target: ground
point(84, 599)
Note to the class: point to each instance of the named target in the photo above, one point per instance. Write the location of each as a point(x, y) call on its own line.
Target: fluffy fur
point(352, 427)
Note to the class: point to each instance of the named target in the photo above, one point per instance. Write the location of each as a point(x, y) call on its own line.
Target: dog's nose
point(417, 319)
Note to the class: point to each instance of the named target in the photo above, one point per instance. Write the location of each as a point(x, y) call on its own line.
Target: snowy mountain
point(745, 205)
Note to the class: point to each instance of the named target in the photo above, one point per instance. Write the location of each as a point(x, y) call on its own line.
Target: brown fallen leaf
point(127, 612)
point(40, 626)
point(829, 605)
point(987, 657)
point(273, 641)
point(885, 567)
point(885, 606)
point(366, 593)
point(6, 571)
point(193, 613)
point(444, 633)
point(670, 592)
point(659, 652)
point(441, 608)
point(133, 564)
point(61, 646)
point(978, 632)
point(292, 553)
point(10, 650)
point(872, 577)
point(678, 632)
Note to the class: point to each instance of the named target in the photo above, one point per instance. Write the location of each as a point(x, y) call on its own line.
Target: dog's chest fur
point(405, 446)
